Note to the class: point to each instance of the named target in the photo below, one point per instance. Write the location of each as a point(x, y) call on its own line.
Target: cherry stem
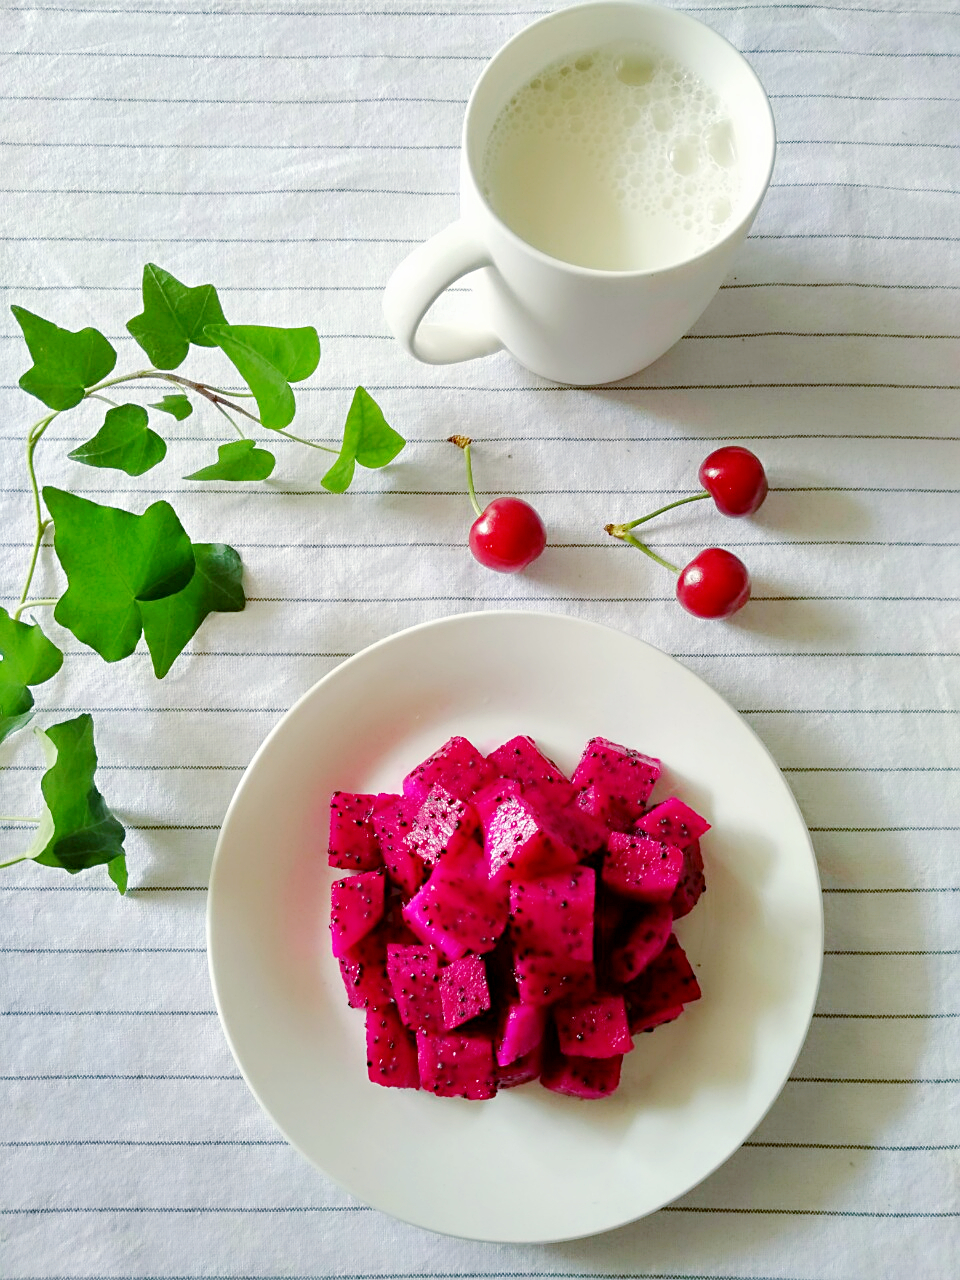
point(641, 546)
point(464, 442)
point(680, 502)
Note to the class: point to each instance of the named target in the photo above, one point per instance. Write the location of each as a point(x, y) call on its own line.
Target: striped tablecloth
point(292, 153)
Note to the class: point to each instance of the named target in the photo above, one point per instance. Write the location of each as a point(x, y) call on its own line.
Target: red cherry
point(508, 535)
point(714, 584)
point(735, 479)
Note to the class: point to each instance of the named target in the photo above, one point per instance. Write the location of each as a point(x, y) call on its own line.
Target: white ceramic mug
point(569, 323)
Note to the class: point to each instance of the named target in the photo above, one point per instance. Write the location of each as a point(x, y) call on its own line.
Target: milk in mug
point(618, 158)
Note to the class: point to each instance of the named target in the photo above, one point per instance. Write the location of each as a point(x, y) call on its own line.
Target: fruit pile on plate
point(506, 923)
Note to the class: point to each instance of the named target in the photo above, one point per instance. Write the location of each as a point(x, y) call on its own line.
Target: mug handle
point(417, 283)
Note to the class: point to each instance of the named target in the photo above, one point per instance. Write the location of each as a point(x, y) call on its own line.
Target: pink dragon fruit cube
point(551, 928)
point(674, 822)
point(458, 767)
point(392, 821)
point(363, 968)
point(456, 1065)
point(522, 761)
point(353, 842)
point(442, 825)
point(640, 867)
point(391, 1050)
point(648, 935)
point(521, 1031)
point(593, 1028)
point(356, 907)
point(520, 838)
point(458, 910)
point(619, 780)
point(464, 993)
point(582, 1077)
point(414, 973)
point(666, 983)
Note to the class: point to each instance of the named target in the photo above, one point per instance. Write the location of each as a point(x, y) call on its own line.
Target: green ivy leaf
point(117, 871)
point(77, 830)
point(115, 560)
point(237, 460)
point(123, 443)
point(216, 586)
point(16, 703)
point(179, 406)
point(174, 316)
point(367, 439)
point(268, 360)
point(64, 363)
point(26, 657)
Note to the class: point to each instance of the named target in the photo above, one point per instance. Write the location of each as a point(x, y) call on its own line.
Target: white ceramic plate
point(527, 1165)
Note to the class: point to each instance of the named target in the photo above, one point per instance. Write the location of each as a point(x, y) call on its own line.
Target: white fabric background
point(292, 154)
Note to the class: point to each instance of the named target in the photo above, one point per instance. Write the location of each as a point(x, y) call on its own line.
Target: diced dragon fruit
point(648, 936)
point(458, 767)
point(554, 915)
point(523, 1070)
point(522, 760)
point(442, 824)
point(641, 867)
point(519, 839)
point(456, 1065)
point(414, 974)
point(353, 842)
point(674, 822)
point(668, 981)
point(363, 968)
point(392, 820)
point(577, 829)
point(521, 1031)
point(464, 993)
point(581, 1077)
point(356, 906)
point(590, 885)
point(547, 979)
point(458, 910)
point(593, 1028)
point(619, 780)
point(692, 883)
point(551, 925)
point(391, 1050)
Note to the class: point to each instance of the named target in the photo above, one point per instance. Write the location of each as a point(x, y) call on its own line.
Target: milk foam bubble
point(618, 158)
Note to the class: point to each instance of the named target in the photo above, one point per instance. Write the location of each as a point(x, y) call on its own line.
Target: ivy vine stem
point(225, 391)
point(217, 397)
point(209, 393)
point(18, 817)
point(219, 407)
point(34, 436)
point(33, 604)
point(300, 440)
